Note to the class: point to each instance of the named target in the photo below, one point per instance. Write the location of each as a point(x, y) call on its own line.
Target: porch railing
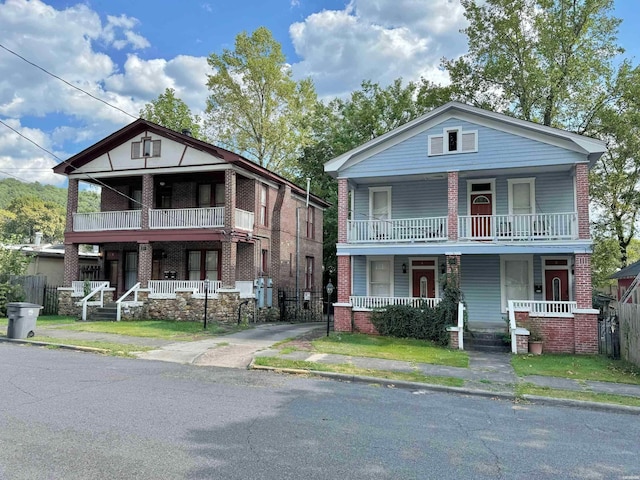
point(168, 288)
point(123, 299)
point(98, 221)
point(401, 230)
point(87, 299)
point(78, 287)
point(543, 226)
point(545, 309)
point(372, 303)
point(244, 220)
point(186, 218)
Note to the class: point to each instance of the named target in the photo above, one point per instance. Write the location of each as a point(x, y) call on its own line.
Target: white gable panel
point(196, 157)
point(100, 164)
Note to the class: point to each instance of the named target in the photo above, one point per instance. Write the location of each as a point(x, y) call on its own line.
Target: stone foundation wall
point(68, 304)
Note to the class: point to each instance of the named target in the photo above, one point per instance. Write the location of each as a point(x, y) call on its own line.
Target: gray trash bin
point(22, 319)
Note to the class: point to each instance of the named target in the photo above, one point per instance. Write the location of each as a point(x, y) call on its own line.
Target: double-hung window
point(380, 277)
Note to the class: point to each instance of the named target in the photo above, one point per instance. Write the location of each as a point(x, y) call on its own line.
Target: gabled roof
point(141, 125)
point(630, 271)
point(591, 147)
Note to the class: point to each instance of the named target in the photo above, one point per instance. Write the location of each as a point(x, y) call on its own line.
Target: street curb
point(57, 345)
point(551, 401)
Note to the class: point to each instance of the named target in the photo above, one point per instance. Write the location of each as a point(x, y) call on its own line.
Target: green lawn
point(163, 329)
point(46, 320)
point(530, 389)
point(352, 370)
point(577, 367)
point(115, 349)
point(390, 348)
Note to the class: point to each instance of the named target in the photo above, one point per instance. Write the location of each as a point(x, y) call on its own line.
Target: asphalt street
point(73, 415)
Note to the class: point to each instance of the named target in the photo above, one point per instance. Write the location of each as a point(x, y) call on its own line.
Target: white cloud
point(126, 24)
point(378, 40)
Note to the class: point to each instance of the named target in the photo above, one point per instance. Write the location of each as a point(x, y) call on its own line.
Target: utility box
point(22, 319)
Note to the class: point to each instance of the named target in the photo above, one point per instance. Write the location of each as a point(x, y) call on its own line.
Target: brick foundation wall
point(586, 328)
point(362, 323)
point(522, 344)
point(564, 335)
point(453, 341)
point(342, 319)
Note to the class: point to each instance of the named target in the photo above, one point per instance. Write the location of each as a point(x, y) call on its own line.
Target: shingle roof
point(629, 271)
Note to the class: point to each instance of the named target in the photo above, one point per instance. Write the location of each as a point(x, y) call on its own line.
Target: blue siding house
point(502, 203)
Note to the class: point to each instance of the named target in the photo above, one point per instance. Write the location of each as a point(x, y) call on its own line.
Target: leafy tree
point(35, 215)
point(255, 106)
point(547, 61)
point(615, 179)
point(12, 261)
point(171, 112)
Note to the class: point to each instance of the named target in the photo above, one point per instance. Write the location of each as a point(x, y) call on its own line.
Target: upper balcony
point(178, 218)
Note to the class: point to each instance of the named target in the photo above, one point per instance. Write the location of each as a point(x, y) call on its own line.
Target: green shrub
point(423, 322)
point(9, 293)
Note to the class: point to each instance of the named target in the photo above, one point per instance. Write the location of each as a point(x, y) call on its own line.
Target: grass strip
point(163, 329)
point(44, 320)
point(114, 349)
point(352, 370)
point(530, 389)
point(390, 348)
point(577, 367)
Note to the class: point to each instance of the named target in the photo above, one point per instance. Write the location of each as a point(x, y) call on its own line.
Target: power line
point(65, 81)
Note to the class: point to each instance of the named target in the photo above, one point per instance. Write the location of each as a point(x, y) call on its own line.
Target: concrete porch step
point(485, 341)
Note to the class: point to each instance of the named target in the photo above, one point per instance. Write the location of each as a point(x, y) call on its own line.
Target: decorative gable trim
point(453, 140)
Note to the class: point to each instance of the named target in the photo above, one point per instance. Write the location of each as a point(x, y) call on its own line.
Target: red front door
point(557, 285)
point(481, 205)
point(424, 283)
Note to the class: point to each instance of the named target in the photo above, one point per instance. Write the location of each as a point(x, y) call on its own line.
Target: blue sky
point(128, 52)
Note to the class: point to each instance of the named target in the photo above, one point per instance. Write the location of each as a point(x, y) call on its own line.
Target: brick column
point(582, 280)
point(582, 199)
point(452, 203)
point(145, 263)
point(343, 209)
point(71, 263)
point(453, 266)
point(229, 258)
point(585, 324)
point(344, 279)
point(230, 202)
point(72, 204)
point(147, 199)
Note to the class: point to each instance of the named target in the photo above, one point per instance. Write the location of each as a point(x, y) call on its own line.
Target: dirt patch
point(303, 342)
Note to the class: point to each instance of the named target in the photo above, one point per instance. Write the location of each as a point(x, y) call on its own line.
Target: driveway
point(235, 350)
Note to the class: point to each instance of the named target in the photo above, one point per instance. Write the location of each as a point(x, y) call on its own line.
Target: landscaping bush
point(423, 322)
point(9, 293)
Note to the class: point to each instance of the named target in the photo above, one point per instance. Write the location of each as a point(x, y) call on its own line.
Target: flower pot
point(535, 347)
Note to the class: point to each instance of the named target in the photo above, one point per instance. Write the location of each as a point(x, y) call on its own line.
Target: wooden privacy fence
point(36, 291)
point(629, 318)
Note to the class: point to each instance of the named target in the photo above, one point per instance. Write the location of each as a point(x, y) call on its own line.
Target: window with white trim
point(516, 278)
point(146, 147)
point(380, 277)
point(453, 140)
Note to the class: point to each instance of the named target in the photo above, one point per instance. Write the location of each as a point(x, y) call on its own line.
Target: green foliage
point(9, 293)
point(255, 106)
point(12, 261)
point(31, 215)
point(171, 112)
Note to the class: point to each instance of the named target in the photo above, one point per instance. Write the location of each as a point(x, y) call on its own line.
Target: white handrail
point(512, 326)
point(545, 308)
point(398, 230)
point(539, 226)
point(460, 326)
point(168, 288)
point(85, 300)
point(244, 220)
point(186, 218)
point(368, 302)
point(119, 302)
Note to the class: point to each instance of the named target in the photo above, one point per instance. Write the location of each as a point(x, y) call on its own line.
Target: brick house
point(501, 203)
point(176, 211)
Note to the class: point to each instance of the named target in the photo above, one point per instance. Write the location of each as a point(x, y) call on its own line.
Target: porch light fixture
point(404, 268)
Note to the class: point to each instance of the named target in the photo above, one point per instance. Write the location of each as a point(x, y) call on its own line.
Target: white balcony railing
point(168, 288)
point(542, 226)
point(187, 218)
point(98, 221)
point(371, 303)
point(402, 230)
point(544, 308)
point(244, 220)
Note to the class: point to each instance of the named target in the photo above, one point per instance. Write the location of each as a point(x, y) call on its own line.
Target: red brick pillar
point(145, 263)
point(452, 202)
point(343, 209)
point(229, 258)
point(453, 267)
point(71, 263)
point(585, 324)
point(582, 280)
point(147, 199)
point(72, 204)
point(342, 309)
point(230, 202)
point(582, 199)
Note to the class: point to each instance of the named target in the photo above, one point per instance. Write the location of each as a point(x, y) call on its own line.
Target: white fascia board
point(155, 171)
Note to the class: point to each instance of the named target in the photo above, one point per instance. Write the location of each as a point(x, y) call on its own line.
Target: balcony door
point(482, 208)
point(380, 212)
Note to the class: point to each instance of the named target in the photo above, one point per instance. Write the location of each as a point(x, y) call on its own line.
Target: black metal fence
point(301, 306)
point(609, 335)
point(50, 300)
